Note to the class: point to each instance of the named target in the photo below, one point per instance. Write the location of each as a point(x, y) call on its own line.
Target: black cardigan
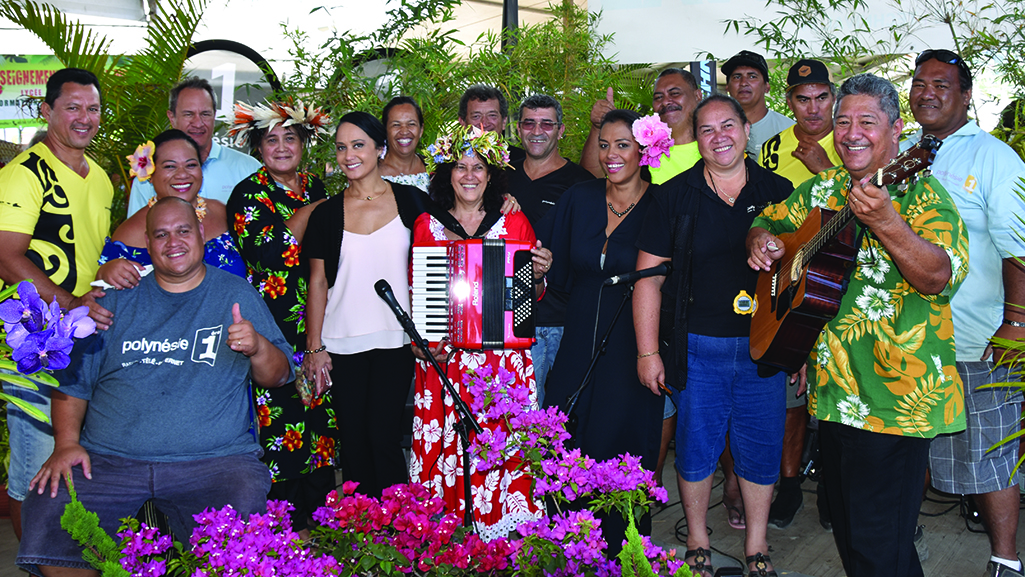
point(327, 223)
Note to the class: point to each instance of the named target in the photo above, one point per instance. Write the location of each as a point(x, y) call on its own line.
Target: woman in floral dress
point(468, 186)
point(269, 212)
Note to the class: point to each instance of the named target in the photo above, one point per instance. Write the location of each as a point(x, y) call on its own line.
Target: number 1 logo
point(204, 349)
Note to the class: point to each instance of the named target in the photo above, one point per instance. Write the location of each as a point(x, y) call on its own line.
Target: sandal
point(734, 515)
point(761, 563)
point(702, 558)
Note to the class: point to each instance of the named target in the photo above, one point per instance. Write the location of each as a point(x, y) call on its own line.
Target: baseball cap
point(807, 71)
point(746, 58)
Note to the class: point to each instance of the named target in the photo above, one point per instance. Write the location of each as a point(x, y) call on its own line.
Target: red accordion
point(478, 293)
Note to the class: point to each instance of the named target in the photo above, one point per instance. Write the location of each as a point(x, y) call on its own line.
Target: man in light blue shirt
point(981, 174)
point(191, 110)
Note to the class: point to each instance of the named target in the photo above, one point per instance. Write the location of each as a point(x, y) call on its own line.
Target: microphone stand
point(571, 424)
point(466, 420)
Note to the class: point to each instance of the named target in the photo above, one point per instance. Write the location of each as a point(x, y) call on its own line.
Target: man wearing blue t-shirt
point(191, 109)
point(982, 175)
point(159, 405)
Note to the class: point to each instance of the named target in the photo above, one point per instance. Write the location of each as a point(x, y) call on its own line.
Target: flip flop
point(734, 516)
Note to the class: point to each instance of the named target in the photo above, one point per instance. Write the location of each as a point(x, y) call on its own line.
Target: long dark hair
point(444, 194)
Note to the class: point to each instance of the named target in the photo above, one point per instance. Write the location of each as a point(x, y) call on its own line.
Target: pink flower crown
point(655, 138)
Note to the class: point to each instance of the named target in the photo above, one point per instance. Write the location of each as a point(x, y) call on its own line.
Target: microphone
point(661, 270)
point(384, 291)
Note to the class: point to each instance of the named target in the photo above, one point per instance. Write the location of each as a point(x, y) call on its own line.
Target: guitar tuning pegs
point(903, 187)
point(926, 173)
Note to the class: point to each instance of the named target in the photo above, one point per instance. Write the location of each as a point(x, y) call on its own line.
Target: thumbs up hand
point(602, 107)
point(242, 337)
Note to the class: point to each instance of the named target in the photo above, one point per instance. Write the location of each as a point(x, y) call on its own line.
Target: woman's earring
point(384, 152)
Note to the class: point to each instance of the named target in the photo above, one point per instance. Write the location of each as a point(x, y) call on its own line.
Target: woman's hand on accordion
point(542, 261)
point(442, 353)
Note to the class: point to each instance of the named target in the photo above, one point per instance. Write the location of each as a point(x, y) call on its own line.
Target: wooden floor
point(803, 549)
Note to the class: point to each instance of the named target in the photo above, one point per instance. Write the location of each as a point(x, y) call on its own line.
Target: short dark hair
point(444, 194)
point(737, 108)
point(871, 85)
point(483, 93)
point(964, 74)
point(367, 123)
point(171, 135)
point(194, 82)
point(58, 79)
point(687, 76)
point(535, 101)
point(398, 100)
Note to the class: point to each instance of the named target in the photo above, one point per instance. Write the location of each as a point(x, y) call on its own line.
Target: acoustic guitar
point(803, 290)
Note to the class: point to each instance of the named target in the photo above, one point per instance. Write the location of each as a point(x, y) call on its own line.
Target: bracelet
point(538, 281)
point(641, 356)
point(315, 351)
point(1017, 324)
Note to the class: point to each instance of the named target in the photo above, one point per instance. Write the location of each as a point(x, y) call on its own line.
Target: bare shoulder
point(132, 231)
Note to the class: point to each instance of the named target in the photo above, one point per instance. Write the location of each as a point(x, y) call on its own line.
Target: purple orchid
point(30, 310)
point(77, 323)
point(43, 350)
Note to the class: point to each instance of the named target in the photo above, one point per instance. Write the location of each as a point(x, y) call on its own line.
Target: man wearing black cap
point(806, 148)
point(747, 81)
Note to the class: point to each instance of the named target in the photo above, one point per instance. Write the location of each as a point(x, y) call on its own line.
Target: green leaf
point(30, 409)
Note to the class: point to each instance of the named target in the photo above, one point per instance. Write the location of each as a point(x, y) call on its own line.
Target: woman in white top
point(353, 240)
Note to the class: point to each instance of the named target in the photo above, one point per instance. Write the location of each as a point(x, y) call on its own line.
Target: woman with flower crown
point(592, 236)
point(468, 184)
point(171, 160)
point(269, 212)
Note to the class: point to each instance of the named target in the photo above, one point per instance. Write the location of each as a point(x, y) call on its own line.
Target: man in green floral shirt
point(882, 374)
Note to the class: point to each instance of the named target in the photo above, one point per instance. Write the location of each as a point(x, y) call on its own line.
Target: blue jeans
point(724, 393)
point(542, 354)
point(118, 488)
point(31, 440)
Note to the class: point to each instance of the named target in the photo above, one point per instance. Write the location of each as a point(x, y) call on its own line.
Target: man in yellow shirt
point(806, 148)
point(54, 215)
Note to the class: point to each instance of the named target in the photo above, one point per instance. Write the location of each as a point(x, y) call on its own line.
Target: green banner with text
point(23, 77)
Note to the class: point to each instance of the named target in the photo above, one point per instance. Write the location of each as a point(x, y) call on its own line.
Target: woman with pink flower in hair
point(592, 232)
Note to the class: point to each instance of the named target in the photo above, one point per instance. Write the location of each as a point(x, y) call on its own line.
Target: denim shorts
point(31, 440)
point(118, 488)
point(725, 394)
point(967, 462)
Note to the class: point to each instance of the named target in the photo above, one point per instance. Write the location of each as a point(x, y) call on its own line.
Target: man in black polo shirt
point(537, 181)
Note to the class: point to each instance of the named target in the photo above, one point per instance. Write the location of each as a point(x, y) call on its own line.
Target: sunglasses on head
point(945, 56)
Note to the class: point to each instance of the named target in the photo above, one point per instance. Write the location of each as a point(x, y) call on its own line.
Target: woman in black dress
point(592, 237)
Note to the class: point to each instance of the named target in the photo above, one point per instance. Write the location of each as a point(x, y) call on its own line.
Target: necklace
point(200, 206)
point(729, 199)
point(621, 214)
point(369, 198)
